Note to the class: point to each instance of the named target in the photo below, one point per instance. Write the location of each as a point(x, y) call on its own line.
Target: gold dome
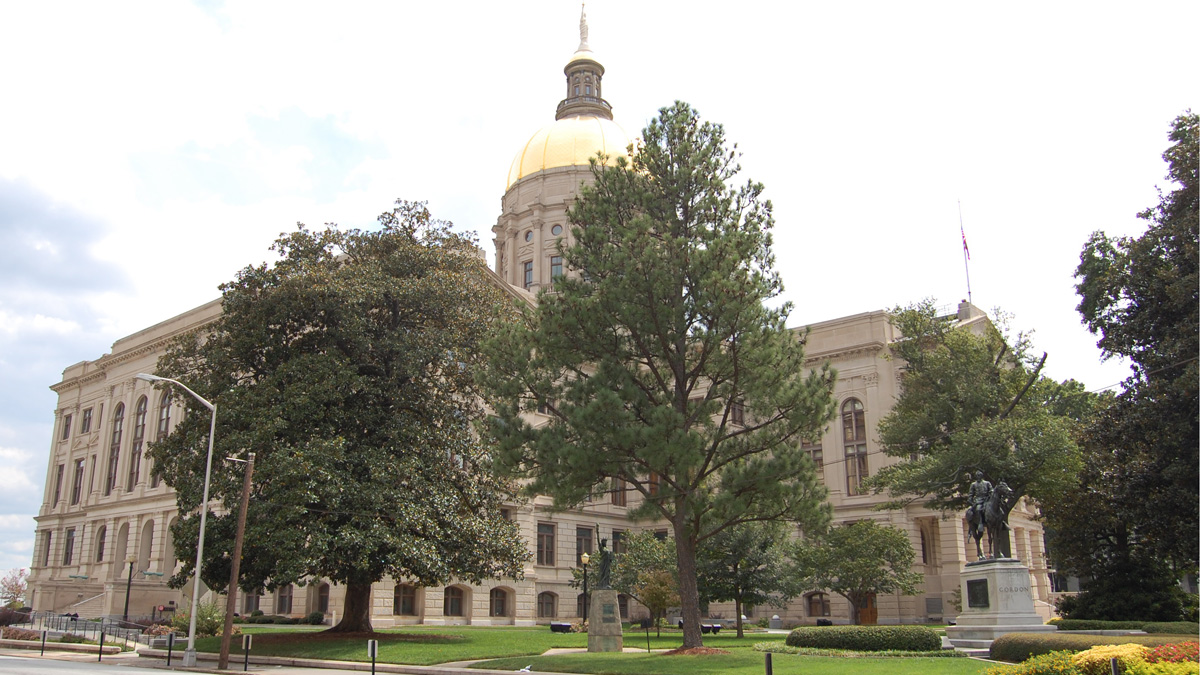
point(570, 141)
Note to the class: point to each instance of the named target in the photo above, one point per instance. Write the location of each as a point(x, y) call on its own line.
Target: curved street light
point(189, 656)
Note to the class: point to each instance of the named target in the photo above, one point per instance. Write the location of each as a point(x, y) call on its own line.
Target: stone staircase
point(88, 609)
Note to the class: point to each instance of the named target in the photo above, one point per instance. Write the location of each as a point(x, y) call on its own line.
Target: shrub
point(1052, 663)
point(210, 620)
point(157, 630)
point(1174, 653)
point(10, 633)
point(315, 619)
point(1017, 647)
point(71, 638)
point(257, 612)
point(1096, 661)
point(1164, 668)
point(1090, 624)
point(866, 638)
point(1172, 627)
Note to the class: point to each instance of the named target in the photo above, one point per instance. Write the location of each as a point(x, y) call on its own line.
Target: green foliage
point(13, 586)
point(972, 400)
point(348, 367)
point(1132, 588)
point(866, 638)
point(1131, 524)
point(1052, 663)
point(855, 560)
point(210, 619)
point(73, 639)
point(1172, 627)
point(644, 552)
point(1016, 647)
point(643, 354)
point(745, 564)
point(315, 618)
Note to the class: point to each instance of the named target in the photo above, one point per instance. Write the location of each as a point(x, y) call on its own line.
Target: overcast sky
point(150, 150)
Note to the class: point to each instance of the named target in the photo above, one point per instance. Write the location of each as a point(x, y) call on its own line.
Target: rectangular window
point(404, 600)
point(250, 603)
point(856, 468)
point(618, 491)
point(545, 406)
point(545, 544)
point(58, 479)
point(527, 268)
point(583, 543)
point(618, 543)
point(653, 481)
point(555, 266)
point(77, 482)
point(47, 540)
point(817, 455)
point(506, 513)
point(661, 535)
point(86, 424)
point(69, 546)
point(66, 428)
point(737, 413)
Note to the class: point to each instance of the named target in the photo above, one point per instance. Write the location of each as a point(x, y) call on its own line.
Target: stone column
point(604, 622)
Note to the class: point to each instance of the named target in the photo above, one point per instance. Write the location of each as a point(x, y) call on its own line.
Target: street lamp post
point(189, 656)
point(128, 583)
point(584, 558)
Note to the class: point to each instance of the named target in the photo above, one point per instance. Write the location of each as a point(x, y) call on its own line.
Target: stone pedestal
point(997, 599)
point(604, 622)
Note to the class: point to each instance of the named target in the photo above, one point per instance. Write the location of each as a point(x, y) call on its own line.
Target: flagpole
point(966, 251)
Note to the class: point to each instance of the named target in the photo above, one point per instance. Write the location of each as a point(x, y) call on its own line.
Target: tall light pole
point(128, 583)
point(189, 656)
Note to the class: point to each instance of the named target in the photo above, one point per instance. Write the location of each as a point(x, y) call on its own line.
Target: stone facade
point(102, 515)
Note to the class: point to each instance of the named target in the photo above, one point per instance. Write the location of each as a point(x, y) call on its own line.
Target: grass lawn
point(427, 645)
point(739, 662)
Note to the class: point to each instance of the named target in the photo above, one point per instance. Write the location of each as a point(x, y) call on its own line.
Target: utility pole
point(231, 600)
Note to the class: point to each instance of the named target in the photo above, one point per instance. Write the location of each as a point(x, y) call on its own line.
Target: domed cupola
point(547, 172)
point(584, 74)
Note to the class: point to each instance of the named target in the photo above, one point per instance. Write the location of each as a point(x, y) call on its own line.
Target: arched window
point(164, 416)
point(452, 601)
point(404, 600)
point(139, 435)
point(546, 605)
point(498, 602)
point(323, 598)
point(854, 435)
point(581, 606)
point(283, 600)
point(101, 535)
point(114, 448)
point(817, 604)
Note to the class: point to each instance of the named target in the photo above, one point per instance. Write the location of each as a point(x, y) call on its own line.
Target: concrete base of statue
point(604, 622)
point(997, 599)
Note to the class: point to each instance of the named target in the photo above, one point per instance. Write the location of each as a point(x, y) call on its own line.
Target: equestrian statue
point(987, 513)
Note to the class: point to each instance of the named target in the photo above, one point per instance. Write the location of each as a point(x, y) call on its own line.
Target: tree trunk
point(356, 617)
point(689, 595)
point(853, 610)
point(737, 606)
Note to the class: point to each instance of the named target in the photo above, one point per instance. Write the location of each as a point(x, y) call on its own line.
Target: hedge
point(1161, 627)
point(866, 638)
point(1016, 647)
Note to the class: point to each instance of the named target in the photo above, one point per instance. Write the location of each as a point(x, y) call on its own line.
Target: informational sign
point(246, 639)
point(373, 648)
point(977, 593)
point(608, 613)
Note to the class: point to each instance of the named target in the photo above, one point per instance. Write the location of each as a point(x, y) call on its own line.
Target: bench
point(705, 628)
point(559, 627)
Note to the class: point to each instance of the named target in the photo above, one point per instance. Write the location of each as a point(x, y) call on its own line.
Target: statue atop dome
point(583, 30)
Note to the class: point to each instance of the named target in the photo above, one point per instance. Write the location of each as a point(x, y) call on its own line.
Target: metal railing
point(88, 629)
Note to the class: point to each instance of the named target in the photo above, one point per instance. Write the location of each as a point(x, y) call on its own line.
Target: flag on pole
point(966, 250)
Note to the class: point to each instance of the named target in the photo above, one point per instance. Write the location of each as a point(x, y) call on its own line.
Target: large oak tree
point(347, 368)
point(660, 358)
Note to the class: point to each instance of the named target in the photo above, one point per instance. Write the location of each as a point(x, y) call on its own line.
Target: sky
point(148, 151)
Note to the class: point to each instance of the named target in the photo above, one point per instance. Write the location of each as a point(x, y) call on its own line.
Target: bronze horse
point(992, 520)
